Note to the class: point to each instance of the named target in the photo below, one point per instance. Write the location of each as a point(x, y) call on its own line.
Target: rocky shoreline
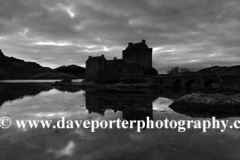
point(194, 105)
point(207, 105)
point(69, 83)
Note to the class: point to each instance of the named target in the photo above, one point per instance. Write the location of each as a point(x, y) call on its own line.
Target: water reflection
point(13, 92)
point(41, 101)
point(66, 151)
point(107, 144)
point(132, 106)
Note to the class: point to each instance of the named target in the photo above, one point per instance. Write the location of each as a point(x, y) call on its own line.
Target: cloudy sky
point(184, 33)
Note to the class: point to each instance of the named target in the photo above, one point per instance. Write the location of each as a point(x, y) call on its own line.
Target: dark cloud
point(185, 33)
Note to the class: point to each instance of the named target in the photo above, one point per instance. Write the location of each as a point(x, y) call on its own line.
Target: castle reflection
point(132, 106)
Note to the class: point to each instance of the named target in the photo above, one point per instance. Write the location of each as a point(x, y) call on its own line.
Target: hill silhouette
point(13, 68)
point(233, 70)
point(75, 70)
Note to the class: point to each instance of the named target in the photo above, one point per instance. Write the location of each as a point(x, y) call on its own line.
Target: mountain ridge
point(223, 70)
point(13, 68)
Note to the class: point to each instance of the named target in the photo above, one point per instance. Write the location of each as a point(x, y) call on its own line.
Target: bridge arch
point(208, 84)
point(188, 84)
point(177, 84)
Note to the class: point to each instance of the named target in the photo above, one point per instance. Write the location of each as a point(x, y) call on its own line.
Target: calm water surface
point(38, 102)
point(36, 81)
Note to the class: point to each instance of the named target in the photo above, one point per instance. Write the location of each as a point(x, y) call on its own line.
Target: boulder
point(207, 105)
point(66, 81)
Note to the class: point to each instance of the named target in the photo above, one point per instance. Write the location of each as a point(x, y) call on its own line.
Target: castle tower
point(138, 53)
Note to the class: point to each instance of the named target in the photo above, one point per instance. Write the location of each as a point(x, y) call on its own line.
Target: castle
point(137, 61)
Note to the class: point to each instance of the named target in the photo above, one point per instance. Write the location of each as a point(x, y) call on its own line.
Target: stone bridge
point(224, 82)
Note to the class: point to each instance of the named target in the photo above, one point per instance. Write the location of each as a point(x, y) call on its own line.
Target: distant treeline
point(177, 70)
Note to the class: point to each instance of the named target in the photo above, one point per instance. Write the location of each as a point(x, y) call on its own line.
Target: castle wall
point(115, 67)
point(142, 59)
point(145, 58)
point(133, 69)
point(95, 66)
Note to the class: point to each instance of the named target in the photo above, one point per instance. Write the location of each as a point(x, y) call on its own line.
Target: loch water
point(44, 102)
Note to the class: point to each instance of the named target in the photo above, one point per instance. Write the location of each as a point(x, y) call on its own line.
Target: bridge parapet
point(230, 82)
point(225, 82)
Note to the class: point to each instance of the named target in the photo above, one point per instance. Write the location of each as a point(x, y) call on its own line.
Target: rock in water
point(207, 105)
point(66, 81)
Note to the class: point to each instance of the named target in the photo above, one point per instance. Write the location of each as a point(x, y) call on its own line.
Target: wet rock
point(88, 83)
point(66, 81)
point(63, 82)
point(56, 131)
point(122, 83)
point(207, 105)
